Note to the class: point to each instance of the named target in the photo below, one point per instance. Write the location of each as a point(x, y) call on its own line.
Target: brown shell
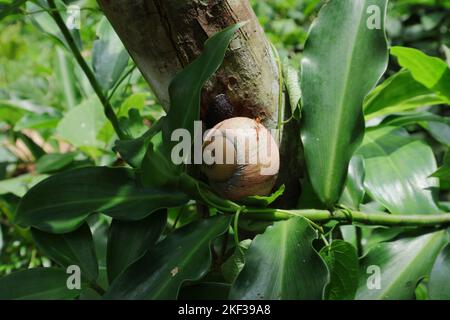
point(252, 142)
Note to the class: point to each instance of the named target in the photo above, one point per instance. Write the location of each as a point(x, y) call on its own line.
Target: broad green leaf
point(439, 131)
point(37, 121)
point(282, 264)
point(205, 291)
point(7, 9)
point(342, 261)
point(439, 284)
point(1, 239)
point(67, 82)
point(354, 192)
point(82, 124)
point(133, 125)
point(398, 170)
point(74, 248)
point(37, 284)
point(292, 83)
point(133, 151)
point(391, 270)
point(183, 255)
point(447, 54)
point(399, 93)
point(62, 202)
point(234, 264)
point(345, 55)
point(421, 292)
point(432, 72)
point(157, 159)
point(10, 112)
point(408, 118)
point(185, 88)
point(135, 101)
point(129, 240)
point(46, 24)
point(443, 173)
point(109, 57)
point(21, 184)
point(100, 229)
point(52, 162)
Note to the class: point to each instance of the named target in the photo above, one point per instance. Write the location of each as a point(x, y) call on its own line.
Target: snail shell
point(241, 158)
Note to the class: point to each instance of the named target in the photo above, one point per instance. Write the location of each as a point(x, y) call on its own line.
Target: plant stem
point(109, 112)
point(324, 216)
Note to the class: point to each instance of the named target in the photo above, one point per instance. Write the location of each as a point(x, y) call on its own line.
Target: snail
point(241, 158)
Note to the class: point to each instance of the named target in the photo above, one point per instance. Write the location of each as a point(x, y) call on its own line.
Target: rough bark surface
point(164, 36)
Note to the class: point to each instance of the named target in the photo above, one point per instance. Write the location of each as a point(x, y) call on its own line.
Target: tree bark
point(163, 36)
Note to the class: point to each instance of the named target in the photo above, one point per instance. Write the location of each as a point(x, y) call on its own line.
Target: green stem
point(108, 109)
point(324, 216)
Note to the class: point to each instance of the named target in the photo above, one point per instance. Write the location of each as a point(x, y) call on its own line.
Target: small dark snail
point(241, 158)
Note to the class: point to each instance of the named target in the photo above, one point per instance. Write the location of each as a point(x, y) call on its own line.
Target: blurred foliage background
point(51, 120)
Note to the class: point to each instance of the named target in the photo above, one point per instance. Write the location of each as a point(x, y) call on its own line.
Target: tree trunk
point(163, 36)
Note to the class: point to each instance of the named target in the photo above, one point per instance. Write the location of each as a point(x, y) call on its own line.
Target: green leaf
point(74, 248)
point(282, 264)
point(401, 92)
point(134, 150)
point(183, 255)
point(43, 20)
point(263, 201)
point(398, 170)
point(157, 159)
point(62, 202)
point(20, 185)
point(135, 101)
point(343, 60)
point(438, 285)
point(129, 240)
point(391, 270)
point(64, 70)
point(82, 124)
point(342, 261)
point(53, 162)
point(1, 239)
point(37, 121)
point(10, 8)
point(109, 57)
point(11, 112)
point(205, 291)
point(292, 83)
point(447, 54)
point(354, 191)
point(133, 124)
point(443, 173)
point(432, 72)
point(185, 88)
point(408, 118)
point(439, 131)
point(37, 284)
point(234, 264)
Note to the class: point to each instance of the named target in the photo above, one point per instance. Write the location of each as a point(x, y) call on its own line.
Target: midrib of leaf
point(337, 129)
